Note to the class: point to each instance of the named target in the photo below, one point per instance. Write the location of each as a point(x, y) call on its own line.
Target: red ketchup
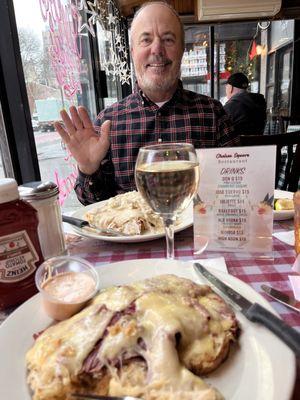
point(20, 251)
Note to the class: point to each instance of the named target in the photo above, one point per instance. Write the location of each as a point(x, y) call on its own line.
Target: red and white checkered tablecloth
point(254, 271)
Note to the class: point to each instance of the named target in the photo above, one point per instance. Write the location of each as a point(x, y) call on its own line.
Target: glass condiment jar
point(66, 284)
point(296, 199)
point(20, 251)
point(43, 196)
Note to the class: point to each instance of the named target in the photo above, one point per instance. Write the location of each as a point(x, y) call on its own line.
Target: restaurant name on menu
point(234, 207)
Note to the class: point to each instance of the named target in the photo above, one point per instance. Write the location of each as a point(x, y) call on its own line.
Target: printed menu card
point(233, 210)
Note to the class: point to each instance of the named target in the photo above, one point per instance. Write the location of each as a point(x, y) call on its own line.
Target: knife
point(283, 298)
point(83, 224)
point(254, 311)
point(99, 397)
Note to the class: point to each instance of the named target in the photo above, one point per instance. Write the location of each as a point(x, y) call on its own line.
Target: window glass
point(195, 61)
point(236, 54)
point(271, 68)
point(284, 78)
point(112, 38)
point(3, 150)
point(232, 49)
point(58, 73)
point(104, 43)
point(270, 97)
point(281, 32)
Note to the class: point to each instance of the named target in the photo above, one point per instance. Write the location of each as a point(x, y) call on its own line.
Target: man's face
point(157, 51)
point(228, 89)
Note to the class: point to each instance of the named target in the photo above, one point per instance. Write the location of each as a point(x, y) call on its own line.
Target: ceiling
point(128, 7)
point(290, 8)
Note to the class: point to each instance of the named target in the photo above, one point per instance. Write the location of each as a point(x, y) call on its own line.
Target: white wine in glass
point(167, 177)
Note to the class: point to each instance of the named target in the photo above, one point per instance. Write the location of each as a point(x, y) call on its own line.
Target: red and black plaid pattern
point(137, 121)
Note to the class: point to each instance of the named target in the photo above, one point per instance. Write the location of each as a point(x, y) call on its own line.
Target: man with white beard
point(159, 110)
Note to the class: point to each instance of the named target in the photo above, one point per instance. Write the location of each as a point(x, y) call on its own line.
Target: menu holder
point(233, 210)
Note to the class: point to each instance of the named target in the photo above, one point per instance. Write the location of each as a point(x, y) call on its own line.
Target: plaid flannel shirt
point(137, 121)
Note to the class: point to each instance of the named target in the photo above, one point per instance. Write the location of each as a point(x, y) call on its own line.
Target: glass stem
point(169, 229)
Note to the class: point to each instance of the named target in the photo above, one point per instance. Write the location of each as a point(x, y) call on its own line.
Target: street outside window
point(57, 67)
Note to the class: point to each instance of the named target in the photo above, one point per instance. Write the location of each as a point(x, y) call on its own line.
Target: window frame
point(17, 142)
point(14, 102)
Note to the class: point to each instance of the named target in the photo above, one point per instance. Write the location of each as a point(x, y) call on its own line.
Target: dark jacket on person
point(248, 113)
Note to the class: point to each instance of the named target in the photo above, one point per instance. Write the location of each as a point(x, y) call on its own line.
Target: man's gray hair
point(164, 3)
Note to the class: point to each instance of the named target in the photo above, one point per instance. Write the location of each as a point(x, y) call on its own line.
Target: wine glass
point(167, 177)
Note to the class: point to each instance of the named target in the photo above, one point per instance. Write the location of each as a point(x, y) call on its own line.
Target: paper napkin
point(295, 283)
point(217, 263)
point(287, 237)
point(296, 265)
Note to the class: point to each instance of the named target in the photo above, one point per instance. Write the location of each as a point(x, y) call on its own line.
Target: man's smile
point(158, 66)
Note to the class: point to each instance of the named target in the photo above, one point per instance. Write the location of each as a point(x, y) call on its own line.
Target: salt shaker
point(44, 198)
point(297, 221)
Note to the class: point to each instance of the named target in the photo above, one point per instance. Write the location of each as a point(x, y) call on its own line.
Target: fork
point(99, 397)
point(85, 225)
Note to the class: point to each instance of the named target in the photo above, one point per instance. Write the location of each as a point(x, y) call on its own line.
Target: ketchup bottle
point(20, 251)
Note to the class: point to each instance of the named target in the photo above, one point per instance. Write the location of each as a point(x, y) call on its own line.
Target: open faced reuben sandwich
point(153, 339)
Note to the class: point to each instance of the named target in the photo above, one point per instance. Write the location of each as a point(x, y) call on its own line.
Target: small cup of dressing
point(66, 284)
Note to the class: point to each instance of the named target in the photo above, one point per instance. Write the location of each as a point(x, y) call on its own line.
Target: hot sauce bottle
point(20, 251)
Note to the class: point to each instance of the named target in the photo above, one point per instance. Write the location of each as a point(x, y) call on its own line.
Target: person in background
point(159, 110)
point(247, 110)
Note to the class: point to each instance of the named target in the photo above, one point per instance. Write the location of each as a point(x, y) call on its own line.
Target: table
point(253, 271)
point(293, 128)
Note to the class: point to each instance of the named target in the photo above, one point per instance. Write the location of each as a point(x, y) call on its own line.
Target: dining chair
point(287, 156)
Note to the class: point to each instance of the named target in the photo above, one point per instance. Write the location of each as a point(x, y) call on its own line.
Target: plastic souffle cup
point(66, 284)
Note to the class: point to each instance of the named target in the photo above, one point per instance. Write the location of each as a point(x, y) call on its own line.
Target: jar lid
point(38, 190)
point(8, 190)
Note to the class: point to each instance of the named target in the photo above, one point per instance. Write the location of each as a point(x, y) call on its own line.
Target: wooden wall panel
point(182, 7)
point(127, 6)
point(290, 8)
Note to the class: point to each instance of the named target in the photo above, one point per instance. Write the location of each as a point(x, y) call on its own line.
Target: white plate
point(260, 367)
point(283, 214)
point(186, 218)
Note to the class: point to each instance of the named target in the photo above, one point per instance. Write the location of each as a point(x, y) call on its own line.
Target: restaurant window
point(58, 73)
point(279, 67)
point(5, 161)
point(111, 85)
point(270, 81)
point(238, 55)
point(282, 32)
point(195, 61)
point(231, 54)
point(285, 61)
point(60, 59)
point(112, 38)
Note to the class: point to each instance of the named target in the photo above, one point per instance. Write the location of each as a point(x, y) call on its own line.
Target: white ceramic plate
point(260, 367)
point(186, 218)
point(283, 214)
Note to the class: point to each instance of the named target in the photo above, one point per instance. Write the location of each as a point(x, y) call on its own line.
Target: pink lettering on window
point(65, 44)
point(65, 185)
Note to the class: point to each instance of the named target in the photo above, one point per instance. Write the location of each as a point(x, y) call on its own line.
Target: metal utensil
point(254, 311)
point(283, 298)
point(98, 397)
point(85, 225)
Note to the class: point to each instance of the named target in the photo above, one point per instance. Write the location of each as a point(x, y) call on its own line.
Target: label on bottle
point(17, 257)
